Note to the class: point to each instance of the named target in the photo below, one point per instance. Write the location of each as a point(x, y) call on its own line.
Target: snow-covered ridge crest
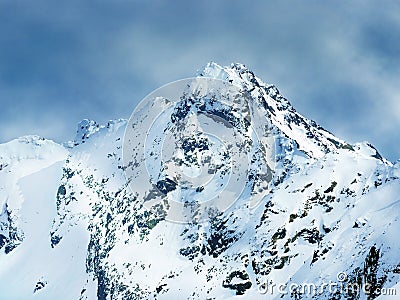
point(88, 128)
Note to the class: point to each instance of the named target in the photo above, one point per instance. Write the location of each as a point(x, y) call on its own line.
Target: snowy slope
point(71, 228)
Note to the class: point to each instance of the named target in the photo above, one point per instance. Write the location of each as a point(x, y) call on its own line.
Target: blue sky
point(338, 62)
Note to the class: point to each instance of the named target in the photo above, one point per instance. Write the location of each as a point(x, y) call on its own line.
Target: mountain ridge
point(331, 207)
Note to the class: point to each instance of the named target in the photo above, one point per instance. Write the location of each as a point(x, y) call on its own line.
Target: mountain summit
point(325, 223)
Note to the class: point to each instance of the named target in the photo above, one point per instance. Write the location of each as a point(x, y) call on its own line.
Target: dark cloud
point(60, 62)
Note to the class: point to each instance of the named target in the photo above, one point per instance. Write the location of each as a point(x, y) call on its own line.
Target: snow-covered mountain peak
point(311, 138)
point(28, 154)
point(329, 213)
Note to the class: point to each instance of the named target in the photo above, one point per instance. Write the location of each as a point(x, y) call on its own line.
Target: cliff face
point(73, 225)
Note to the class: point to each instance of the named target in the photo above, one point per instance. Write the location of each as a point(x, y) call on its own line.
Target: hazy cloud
point(337, 62)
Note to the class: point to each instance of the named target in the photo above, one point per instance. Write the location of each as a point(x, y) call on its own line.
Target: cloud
point(336, 62)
